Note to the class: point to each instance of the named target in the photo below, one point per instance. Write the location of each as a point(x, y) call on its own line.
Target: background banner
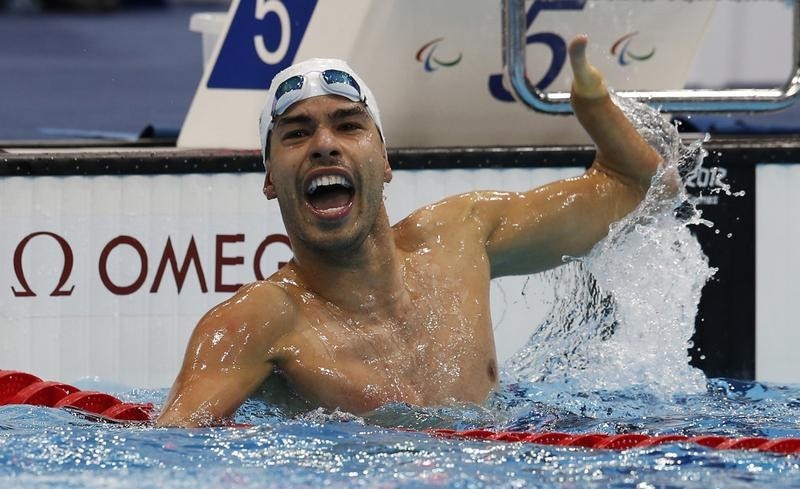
point(436, 67)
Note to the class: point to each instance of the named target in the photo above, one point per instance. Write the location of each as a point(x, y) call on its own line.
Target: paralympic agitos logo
point(430, 62)
point(167, 261)
point(621, 49)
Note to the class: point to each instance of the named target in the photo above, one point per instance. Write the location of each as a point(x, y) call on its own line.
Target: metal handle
point(729, 100)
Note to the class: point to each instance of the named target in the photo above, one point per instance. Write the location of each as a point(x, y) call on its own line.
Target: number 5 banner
point(436, 67)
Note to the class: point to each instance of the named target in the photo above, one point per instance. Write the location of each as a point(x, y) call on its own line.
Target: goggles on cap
point(334, 82)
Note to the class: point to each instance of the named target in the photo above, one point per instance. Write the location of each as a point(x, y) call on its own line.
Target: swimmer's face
point(327, 166)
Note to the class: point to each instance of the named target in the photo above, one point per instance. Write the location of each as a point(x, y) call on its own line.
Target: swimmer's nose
point(325, 146)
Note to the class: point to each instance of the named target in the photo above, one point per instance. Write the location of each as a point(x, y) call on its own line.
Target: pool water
point(50, 448)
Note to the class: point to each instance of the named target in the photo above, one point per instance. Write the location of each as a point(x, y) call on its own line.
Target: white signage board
point(86, 289)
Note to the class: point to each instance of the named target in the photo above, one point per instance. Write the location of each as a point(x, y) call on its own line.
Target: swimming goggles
point(298, 87)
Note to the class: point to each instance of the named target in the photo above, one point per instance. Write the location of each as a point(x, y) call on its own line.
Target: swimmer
point(366, 313)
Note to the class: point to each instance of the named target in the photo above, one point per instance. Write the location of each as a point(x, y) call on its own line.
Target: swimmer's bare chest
point(438, 351)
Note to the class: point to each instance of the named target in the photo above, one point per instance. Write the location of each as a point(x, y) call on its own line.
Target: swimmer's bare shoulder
point(497, 227)
point(527, 232)
point(518, 232)
point(227, 357)
point(451, 223)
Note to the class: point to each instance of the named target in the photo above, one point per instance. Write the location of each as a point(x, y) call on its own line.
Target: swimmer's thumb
point(587, 81)
point(577, 53)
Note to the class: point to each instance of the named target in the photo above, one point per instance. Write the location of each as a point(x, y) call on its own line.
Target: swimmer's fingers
point(588, 81)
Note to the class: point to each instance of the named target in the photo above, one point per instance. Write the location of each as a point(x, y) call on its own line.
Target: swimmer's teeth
point(328, 180)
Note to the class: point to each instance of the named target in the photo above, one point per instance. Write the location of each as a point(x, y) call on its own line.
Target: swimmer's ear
point(269, 188)
point(387, 170)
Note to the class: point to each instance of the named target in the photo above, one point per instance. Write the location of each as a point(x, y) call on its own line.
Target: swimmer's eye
point(295, 134)
point(350, 126)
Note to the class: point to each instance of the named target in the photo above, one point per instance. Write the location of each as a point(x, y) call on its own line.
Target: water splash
point(624, 314)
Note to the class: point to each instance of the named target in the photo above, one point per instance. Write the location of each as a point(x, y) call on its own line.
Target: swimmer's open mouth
point(330, 195)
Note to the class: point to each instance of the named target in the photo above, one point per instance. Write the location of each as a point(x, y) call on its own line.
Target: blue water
point(49, 448)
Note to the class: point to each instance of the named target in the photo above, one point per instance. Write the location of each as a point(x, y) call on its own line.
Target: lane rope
point(782, 446)
point(23, 388)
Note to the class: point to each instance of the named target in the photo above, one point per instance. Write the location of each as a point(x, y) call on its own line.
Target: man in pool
point(366, 313)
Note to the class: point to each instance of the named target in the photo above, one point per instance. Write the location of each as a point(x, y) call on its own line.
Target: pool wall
point(110, 257)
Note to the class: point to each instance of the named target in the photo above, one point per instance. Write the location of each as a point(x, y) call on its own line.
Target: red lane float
point(23, 388)
point(784, 446)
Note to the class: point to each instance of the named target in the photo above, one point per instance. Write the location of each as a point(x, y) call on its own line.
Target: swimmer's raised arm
point(530, 232)
point(227, 358)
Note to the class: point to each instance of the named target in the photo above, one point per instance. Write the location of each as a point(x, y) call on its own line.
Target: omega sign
point(167, 259)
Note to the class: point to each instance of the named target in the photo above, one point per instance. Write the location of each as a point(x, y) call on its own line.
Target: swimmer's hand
point(622, 154)
point(587, 83)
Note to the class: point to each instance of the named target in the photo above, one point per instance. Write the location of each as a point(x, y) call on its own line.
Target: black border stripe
point(158, 161)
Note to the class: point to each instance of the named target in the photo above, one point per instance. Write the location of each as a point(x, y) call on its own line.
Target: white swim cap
point(312, 78)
